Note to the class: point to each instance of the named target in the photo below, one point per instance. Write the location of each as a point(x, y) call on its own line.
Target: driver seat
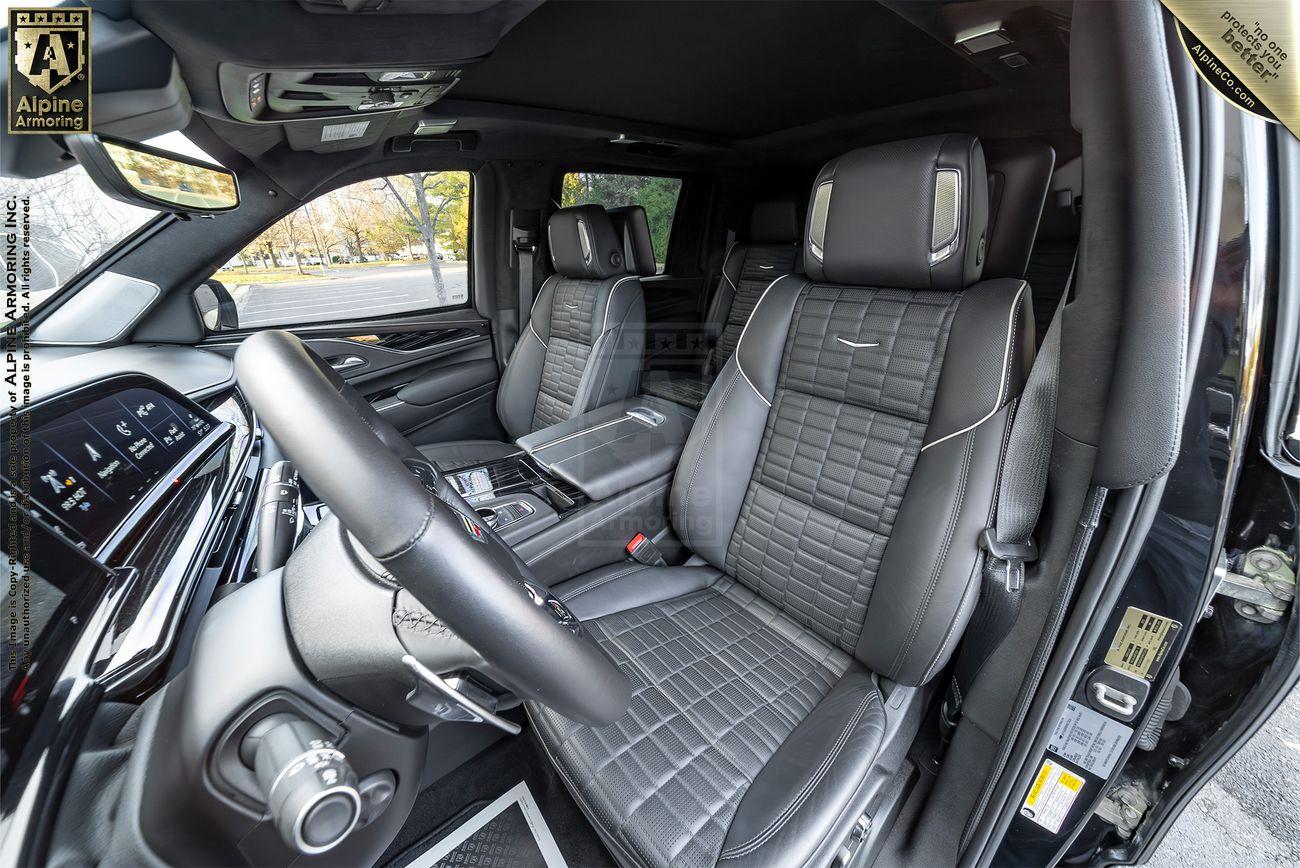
point(833, 491)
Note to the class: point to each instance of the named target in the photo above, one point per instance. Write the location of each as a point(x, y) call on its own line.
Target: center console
point(576, 492)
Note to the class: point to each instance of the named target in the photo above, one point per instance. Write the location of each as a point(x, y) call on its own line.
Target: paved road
point(349, 293)
point(1249, 814)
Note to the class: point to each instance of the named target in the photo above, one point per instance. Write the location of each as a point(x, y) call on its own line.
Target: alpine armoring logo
point(49, 70)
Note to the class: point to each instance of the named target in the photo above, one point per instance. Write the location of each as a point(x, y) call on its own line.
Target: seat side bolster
point(522, 378)
point(613, 369)
point(719, 456)
point(930, 572)
point(793, 803)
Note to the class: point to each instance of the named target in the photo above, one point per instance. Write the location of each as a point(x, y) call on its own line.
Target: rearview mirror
point(151, 178)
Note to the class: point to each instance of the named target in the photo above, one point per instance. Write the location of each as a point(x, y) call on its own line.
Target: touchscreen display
point(91, 466)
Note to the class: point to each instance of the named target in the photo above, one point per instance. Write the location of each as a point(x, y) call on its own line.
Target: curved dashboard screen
point(94, 457)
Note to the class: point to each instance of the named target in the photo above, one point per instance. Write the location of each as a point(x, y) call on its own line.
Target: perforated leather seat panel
point(720, 680)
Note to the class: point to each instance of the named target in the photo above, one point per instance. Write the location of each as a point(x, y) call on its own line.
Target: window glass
point(375, 248)
point(73, 223)
point(658, 196)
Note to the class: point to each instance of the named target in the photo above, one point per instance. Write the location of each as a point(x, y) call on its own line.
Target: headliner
point(724, 68)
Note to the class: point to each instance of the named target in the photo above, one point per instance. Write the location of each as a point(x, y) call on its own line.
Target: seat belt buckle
point(643, 550)
point(1013, 556)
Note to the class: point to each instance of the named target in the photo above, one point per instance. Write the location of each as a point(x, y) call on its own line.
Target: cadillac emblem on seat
point(49, 74)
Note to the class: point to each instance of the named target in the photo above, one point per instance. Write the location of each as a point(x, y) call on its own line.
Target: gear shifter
point(311, 790)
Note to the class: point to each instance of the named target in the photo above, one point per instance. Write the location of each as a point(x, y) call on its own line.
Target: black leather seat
point(832, 490)
point(584, 343)
point(771, 251)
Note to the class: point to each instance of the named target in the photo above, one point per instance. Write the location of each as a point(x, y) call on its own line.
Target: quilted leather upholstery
point(833, 489)
point(583, 345)
point(720, 679)
point(842, 437)
point(754, 267)
point(567, 351)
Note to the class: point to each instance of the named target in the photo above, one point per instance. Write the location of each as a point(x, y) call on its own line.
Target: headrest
point(902, 215)
point(1019, 175)
point(584, 244)
point(774, 221)
point(638, 251)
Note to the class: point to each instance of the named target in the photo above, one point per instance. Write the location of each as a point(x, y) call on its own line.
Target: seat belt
point(1008, 543)
point(525, 230)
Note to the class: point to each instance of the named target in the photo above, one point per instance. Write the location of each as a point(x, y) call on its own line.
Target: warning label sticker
point(1051, 796)
point(1141, 642)
point(1088, 739)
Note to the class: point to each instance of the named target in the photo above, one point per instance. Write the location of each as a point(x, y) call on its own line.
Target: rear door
point(376, 278)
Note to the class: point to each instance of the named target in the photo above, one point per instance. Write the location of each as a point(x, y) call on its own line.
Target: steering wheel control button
point(311, 790)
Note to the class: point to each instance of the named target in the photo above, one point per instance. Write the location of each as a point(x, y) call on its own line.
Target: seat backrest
point(584, 342)
point(771, 250)
point(846, 459)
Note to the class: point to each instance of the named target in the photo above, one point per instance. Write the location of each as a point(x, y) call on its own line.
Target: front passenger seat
point(584, 343)
point(833, 490)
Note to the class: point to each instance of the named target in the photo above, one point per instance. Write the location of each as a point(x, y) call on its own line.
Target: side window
point(375, 248)
point(658, 196)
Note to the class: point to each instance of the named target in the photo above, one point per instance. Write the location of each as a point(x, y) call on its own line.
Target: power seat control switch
point(311, 791)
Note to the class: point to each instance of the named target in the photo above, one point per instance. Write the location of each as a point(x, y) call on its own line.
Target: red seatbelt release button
point(644, 551)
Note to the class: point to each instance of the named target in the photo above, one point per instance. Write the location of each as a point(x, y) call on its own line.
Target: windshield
point(69, 224)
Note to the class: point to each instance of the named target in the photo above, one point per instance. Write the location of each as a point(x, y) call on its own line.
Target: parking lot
point(347, 292)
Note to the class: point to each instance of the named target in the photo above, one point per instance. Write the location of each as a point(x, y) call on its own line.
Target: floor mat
point(508, 833)
point(450, 802)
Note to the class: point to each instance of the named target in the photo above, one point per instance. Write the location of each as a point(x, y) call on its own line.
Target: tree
point(658, 196)
point(425, 198)
point(352, 218)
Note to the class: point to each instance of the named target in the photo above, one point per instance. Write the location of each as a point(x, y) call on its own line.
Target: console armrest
point(615, 447)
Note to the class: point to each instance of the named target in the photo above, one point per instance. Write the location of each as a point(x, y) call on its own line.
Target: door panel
point(434, 376)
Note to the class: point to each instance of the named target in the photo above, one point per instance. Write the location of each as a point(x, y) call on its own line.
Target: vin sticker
point(1141, 642)
point(1051, 796)
point(1089, 740)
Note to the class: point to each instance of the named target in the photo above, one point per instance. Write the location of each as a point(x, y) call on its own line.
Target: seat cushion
point(721, 682)
point(464, 453)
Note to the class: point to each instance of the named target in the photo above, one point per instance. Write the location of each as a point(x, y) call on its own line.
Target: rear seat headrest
point(905, 215)
point(633, 228)
point(774, 221)
point(584, 244)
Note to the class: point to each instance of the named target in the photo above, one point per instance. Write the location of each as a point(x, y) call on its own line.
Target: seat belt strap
point(1008, 543)
point(524, 234)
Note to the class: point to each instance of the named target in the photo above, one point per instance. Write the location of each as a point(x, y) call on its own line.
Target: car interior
point(669, 481)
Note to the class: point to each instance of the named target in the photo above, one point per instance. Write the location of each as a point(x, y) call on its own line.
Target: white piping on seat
point(740, 342)
point(1006, 371)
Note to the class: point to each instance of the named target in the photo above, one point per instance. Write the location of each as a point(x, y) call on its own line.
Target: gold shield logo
point(48, 55)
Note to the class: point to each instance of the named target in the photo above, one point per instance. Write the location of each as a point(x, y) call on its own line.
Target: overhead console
point(269, 96)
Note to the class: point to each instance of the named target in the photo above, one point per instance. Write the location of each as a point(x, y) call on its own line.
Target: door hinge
point(1262, 585)
point(1124, 807)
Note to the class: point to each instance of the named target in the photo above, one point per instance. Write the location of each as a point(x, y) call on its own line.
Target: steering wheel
point(423, 533)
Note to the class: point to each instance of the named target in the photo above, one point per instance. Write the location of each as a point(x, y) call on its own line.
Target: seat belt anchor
point(1013, 555)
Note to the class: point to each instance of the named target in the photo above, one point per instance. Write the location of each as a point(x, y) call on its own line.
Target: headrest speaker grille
point(947, 204)
point(817, 220)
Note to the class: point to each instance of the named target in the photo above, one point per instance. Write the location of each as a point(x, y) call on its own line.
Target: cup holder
point(488, 514)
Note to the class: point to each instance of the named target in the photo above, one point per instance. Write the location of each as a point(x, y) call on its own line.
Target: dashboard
point(124, 501)
point(95, 457)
